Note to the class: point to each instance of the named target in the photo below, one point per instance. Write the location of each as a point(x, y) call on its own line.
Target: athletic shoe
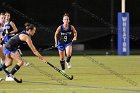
point(1, 79)
point(68, 65)
point(63, 71)
point(8, 78)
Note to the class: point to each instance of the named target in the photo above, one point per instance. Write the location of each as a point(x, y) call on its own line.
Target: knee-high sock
point(68, 59)
point(3, 66)
point(62, 63)
point(3, 62)
point(15, 69)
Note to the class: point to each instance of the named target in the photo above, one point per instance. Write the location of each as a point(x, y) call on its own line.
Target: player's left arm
point(32, 47)
point(75, 33)
point(14, 28)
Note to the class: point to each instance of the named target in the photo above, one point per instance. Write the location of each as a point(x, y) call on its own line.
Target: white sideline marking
point(41, 89)
point(81, 88)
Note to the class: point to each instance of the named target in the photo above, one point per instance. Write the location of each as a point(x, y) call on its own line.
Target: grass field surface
point(92, 74)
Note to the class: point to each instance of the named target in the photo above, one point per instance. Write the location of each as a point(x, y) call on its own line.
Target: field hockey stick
point(50, 48)
point(58, 70)
point(10, 75)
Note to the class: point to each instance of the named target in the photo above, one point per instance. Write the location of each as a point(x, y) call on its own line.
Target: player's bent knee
point(20, 63)
point(61, 58)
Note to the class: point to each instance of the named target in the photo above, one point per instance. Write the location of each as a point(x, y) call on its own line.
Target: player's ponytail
point(27, 24)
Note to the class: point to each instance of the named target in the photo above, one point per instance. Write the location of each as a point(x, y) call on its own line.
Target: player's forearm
point(75, 34)
point(38, 54)
point(34, 50)
point(13, 32)
point(56, 39)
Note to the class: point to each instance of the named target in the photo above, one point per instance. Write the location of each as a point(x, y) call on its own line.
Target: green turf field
point(92, 74)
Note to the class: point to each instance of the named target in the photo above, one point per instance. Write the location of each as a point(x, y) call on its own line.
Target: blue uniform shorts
point(7, 51)
point(63, 46)
point(6, 39)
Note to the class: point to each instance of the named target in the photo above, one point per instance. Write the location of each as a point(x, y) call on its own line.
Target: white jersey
point(1, 31)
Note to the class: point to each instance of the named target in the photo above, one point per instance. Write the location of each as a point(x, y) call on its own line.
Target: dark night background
point(94, 20)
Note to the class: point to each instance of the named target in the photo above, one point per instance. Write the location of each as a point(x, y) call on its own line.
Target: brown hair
point(66, 14)
point(29, 26)
point(7, 12)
